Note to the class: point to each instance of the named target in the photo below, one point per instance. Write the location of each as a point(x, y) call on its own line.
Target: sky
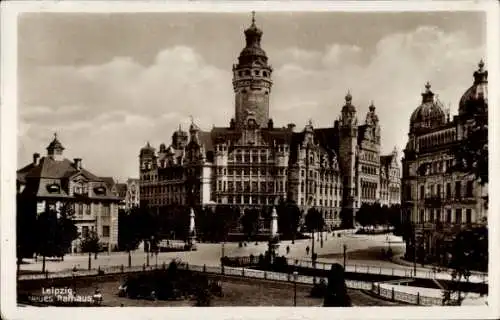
point(108, 83)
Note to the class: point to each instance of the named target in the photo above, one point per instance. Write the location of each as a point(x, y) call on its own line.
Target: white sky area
point(108, 83)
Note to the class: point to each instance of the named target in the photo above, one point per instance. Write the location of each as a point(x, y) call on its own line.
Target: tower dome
point(476, 97)
point(147, 150)
point(252, 51)
point(429, 114)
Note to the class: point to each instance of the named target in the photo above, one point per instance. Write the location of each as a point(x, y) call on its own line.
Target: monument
point(192, 231)
point(274, 236)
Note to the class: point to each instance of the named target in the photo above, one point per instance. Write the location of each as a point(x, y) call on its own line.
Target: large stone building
point(129, 193)
point(51, 181)
point(252, 163)
point(434, 194)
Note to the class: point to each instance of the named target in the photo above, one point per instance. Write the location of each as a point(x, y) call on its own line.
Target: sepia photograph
point(250, 156)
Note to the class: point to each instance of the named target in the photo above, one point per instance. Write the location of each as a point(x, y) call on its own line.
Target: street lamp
point(345, 249)
point(295, 276)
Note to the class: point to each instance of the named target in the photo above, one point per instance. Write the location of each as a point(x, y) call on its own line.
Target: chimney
point(291, 126)
point(77, 163)
point(36, 158)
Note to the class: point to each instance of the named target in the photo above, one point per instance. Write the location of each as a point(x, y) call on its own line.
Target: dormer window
point(100, 190)
point(53, 188)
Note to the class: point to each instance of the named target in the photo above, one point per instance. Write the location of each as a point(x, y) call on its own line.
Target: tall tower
point(252, 81)
point(347, 149)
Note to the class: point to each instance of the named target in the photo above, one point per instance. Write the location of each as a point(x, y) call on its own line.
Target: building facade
point(252, 163)
point(129, 194)
point(436, 198)
point(51, 181)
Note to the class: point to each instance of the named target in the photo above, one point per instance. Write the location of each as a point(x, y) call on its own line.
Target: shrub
point(280, 264)
point(336, 291)
point(319, 289)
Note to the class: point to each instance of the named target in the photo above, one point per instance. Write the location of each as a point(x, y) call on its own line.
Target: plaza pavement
point(210, 254)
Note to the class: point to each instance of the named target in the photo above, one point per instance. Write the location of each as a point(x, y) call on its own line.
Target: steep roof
point(121, 188)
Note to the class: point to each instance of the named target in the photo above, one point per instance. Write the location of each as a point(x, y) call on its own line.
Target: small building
point(51, 181)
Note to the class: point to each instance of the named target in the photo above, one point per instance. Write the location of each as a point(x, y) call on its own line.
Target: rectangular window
point(302, 201)
point(254, 186)
point(458, 216)
point(470, 187)
point(422, 192)
point(105, 210)
point(262, 187)
point(448, 215)
point(230, 186)
point(431, 215)
point(438, 215)
point(105, 231)
point(448, 190)
point(438, 191)
point(246, 199)
point(422, 215)
point(468, 216)
point(230, 199)
point(458, 189)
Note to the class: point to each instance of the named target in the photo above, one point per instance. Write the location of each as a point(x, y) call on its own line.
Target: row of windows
point(85, 231)
point(84, 208)
point(437, 139)
point(320, 202)
point(437, 167)
point(321, 189)
point(368, 190)
point(252, 171)
point(369, 170)
point(434, 190)
point(434, 215)
point(246, 186)
point(247, 72)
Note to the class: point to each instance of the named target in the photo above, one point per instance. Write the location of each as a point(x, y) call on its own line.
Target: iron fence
point(376, 289)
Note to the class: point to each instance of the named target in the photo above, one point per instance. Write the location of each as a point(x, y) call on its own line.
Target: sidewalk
point(399, 260)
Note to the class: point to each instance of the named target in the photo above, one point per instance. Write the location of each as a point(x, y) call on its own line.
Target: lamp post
point(345, 249)
point(295, 276)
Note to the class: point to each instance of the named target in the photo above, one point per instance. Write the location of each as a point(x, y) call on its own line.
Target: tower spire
point(253, 18)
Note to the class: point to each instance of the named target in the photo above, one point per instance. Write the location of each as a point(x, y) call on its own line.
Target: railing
point(399, 272)
point(375, 289)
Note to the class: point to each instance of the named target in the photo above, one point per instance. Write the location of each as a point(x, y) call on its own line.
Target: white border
point(8, 154)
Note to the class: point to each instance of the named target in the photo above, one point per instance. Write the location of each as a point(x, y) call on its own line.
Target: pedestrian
point(307, 250)
point(287, 249)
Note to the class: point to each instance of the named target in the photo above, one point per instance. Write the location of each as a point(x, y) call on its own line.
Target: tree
point(471, 154)
point(394, 218)
point(289, 216)
point(90, 243)
point(336, 290)
point(55, 230)
point(314, 222)
point(46, 224)
point(129, 237)
point(347, 218)
point(363, 215)
point(66, 231)
point(225, 218)
point(25, 229)
point(250, 222)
